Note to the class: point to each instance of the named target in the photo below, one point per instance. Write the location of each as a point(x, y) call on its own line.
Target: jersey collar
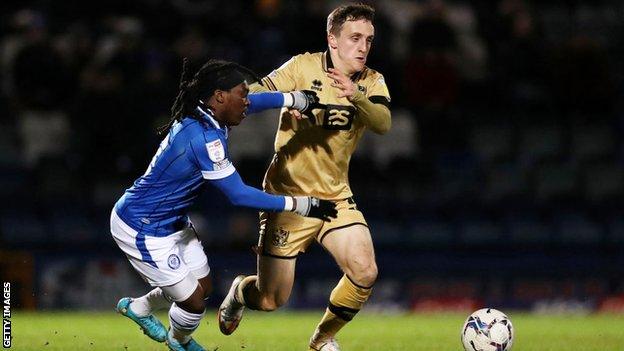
point(208, 116)
point(327, 64)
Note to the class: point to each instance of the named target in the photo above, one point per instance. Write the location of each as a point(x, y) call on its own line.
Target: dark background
point(501, 182)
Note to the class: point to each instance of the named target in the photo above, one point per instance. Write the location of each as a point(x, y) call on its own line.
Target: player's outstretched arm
point(374, 114)
point(299, 100)
point(240, 194)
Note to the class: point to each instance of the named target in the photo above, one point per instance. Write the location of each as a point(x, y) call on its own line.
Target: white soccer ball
point(487, 330)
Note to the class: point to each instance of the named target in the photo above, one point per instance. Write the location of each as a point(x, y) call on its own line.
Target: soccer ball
point(487, 330)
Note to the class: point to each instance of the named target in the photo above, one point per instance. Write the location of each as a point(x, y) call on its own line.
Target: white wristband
point(289, 99)
point(289, 204)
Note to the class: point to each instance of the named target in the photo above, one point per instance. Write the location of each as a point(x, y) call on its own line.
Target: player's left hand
point(305, 101)
point(346, 87)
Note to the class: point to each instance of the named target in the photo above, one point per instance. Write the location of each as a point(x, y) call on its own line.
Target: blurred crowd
point(505, 112)
point(502, 178)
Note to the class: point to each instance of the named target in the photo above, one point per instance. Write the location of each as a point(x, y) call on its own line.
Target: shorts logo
point(280, 237)
point(173, 261)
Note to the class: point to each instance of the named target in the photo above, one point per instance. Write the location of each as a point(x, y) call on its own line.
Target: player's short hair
point(351, 12)
point(213, 75)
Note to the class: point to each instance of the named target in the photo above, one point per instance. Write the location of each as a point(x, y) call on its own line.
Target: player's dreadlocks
point(213, 75)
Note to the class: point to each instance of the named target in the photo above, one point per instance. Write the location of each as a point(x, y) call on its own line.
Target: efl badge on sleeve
point(216, 152)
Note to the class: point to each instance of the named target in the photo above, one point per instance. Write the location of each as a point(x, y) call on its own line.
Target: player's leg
point(193, 255)
point(266, 291)
point(186, 313)
point(282, 237)
point(139, 309)
point(352, 248)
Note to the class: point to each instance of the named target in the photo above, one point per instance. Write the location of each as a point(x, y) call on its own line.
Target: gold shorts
point(286, 234)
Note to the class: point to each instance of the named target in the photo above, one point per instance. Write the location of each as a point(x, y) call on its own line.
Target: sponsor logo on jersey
point(216, 152)
point(280, 237)
point(338, 117)
point(173, 261)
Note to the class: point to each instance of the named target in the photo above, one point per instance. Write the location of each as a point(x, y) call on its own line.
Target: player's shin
point(183, 323)
point(345, 302)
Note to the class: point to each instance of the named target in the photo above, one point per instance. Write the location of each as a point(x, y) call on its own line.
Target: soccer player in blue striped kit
point(150, 223)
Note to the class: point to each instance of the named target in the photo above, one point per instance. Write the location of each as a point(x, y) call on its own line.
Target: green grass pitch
point(290, 331)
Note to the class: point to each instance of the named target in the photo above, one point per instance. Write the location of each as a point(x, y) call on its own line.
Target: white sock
point(183, 323)
point(154, 300)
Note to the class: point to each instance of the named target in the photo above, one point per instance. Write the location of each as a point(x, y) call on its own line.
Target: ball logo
point(173, 261)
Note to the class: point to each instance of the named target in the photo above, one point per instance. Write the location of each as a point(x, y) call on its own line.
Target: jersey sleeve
point(378, 92)
point(264, 100)
point(241, 194)
point(283, 78)
point(210, 154)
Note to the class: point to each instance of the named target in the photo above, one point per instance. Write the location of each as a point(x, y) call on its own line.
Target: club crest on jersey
point(216, 152)
point(280, 237)
point(317, 85)
point(173, 261)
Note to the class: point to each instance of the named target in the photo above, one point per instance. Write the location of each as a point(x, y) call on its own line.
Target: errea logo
point(317, 85)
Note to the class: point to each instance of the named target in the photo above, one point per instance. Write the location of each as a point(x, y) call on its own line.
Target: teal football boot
point(150, 325)
point(175, 345)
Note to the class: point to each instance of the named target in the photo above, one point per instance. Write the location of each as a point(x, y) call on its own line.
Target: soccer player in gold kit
point(312, 158)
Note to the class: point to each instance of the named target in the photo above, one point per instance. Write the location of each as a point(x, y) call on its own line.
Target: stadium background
point(501, 182)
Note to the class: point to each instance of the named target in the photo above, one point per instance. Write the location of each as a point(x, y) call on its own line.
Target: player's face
point(236, 103)
point(353, 44)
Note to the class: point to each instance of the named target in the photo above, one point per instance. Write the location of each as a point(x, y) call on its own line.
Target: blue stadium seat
point(528, 229)
point(576, 228)
point(430, 233)
point(603, 182)
point(539, 143)
point(492, 143)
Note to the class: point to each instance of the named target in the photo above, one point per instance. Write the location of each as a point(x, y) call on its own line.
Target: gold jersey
point(312, 154)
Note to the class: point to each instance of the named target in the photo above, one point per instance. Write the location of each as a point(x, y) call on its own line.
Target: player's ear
point(331, 40)
point(219, 96)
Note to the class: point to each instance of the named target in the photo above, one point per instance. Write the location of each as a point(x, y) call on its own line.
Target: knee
point(194, 305)
point(363, 272)
point(207, 288)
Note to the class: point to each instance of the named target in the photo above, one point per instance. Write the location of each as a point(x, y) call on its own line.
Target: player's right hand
point(312, 207)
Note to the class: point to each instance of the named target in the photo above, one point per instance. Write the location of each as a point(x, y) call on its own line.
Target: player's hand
point(312, 207)
point(296, 114)
point(305, 101)
point(346, 87)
